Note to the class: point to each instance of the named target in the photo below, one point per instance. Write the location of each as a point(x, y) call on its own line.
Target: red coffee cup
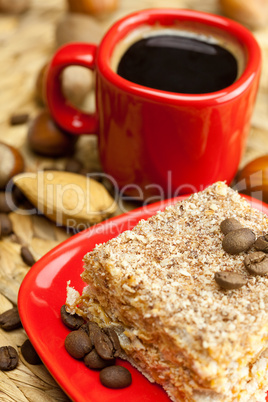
point(157, 143)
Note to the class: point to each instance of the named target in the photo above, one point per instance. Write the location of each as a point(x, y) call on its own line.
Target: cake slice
point(155, 285)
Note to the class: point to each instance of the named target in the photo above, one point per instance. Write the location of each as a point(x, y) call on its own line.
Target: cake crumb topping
point(166, 266)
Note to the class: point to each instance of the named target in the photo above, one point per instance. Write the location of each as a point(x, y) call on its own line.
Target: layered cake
point(155, 285)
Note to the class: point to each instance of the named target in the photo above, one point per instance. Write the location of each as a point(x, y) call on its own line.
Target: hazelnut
point(92, 6)
point(253, 178)
point(77, 82)
point(14, 6)
point(47, 139)
point(252, 13)
point(39, 85)
point(78, 28)
point(11, 163)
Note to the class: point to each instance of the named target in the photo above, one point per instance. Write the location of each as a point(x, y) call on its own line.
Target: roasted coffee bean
point(230, 280)
point(78, 344)
point(261, 244)
point(10, 319)
point(115, 377)
point(230, 224)
point(72, 321)
point(17, 119)
point(29, 353)
point(257, 263)
point(94, 361)
point(93, 329)
point(110, 332)
point(5, 225)
point(84, 327)
point(27, 256)
point(73, 165)
point(238, 240)
point(103, 346)
point(6, 202)
point(8, 358)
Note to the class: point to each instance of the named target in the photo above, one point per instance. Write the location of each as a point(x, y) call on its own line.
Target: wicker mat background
point(26, 43)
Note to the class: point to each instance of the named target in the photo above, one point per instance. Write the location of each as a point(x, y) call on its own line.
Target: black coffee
point(178, 64)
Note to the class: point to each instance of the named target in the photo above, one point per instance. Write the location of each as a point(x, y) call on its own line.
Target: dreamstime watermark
point(65, 202)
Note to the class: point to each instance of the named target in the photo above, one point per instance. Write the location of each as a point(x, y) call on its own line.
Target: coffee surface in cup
point(178, 64)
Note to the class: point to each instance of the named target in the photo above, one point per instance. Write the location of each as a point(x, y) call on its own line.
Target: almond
point(66, 198)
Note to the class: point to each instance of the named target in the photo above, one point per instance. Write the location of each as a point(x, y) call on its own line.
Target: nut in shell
point(78, 28)
point(253, 178)
point(77, 82)
point(252, 13)
point(67, 198)
point(94, 7)
point(47, 139)
point(40, 85)
point(11, 163)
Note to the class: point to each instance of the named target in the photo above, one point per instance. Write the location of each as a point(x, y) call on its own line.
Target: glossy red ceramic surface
point(42, 294)
point(151, 138)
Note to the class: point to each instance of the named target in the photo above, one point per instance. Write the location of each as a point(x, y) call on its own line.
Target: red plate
point(43, 292)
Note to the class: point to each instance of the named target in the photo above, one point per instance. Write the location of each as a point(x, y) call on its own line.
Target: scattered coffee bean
point(27, 256)
point(6, 202)
point(72, 321)
point(230, 280)
point(261, 244)
point(238, 240)
point(103, 346)
point(73, 165)
point(93, 330)
point(78, 344)
point(29, 353)
point(257, 263)
point(230, 224)
point(8, 358)
point(115, 377)
point(110, 332)
point(94, 361)
point(84, 328)
point(5, 225)
point(17, 119)
point(10, 319)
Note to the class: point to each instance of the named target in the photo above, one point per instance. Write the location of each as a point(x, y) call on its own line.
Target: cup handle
point(67, 116)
